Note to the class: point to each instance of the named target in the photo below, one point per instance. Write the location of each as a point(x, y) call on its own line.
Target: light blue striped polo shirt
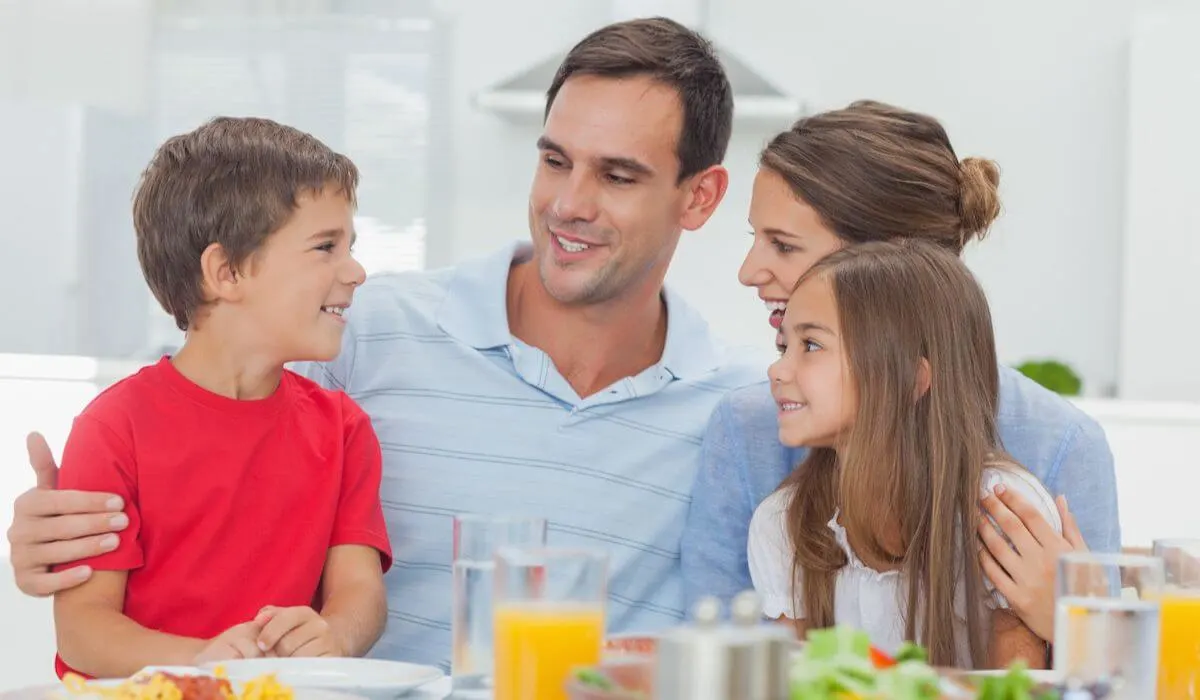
point(472, 419)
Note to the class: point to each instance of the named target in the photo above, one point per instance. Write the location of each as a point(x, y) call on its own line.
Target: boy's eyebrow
point(333, 233)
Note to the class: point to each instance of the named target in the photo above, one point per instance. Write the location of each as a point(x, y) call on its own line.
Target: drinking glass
point(549, 619)
point(476, 540)
point(1179, 652)
point(1106, 632)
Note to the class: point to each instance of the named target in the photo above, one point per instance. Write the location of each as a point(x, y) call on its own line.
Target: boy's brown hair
point(232, 181)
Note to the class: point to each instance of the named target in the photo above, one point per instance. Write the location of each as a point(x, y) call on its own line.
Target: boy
point(251, 492)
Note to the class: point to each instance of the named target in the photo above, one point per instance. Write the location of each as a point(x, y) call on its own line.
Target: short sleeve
point(359, 518)
point(770, 556)
point(95, 458)
point(1028, 487)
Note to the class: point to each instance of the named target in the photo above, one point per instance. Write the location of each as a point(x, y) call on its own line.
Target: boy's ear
point(220, 280)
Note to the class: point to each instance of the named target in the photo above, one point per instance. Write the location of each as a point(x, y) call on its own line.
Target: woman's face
point(788, 238)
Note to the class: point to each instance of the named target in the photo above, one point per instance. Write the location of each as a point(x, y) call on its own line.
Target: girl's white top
point(870, 600)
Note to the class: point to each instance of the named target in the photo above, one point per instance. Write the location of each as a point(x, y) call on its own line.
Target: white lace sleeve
point(769, 551)
point(1028, 487)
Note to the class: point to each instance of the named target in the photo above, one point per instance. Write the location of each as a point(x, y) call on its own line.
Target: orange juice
point(1179, 650)
point(539, 643)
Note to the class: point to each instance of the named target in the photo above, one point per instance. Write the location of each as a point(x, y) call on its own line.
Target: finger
point(999, 577)
point(1070, 527)
point(1009, 524)
point(1032, 518)
point(999, 549)
point(40, 556)
point(283, 622)
point(245, 647)
point(266, 614)
point(43, 503)
point(41, 584)
point(316, 647)
point(305, 636)
point(38, 531)
point(42, 461)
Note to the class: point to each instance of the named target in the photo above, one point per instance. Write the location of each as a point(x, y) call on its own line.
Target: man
point(557, 379)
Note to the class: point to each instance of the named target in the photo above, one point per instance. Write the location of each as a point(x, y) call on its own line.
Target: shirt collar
point(475, 311)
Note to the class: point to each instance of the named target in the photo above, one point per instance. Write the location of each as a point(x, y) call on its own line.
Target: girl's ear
point(924, 378)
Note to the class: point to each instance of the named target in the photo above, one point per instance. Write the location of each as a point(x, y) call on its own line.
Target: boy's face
point(303, 278)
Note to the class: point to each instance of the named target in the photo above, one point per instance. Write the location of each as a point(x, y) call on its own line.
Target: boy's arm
point(96, 638)
point(354, 599)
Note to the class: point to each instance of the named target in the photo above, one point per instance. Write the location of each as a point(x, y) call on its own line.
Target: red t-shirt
point(232, 505)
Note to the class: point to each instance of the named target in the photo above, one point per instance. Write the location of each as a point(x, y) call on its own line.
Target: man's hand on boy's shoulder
point(296, 631)
point(52, 527)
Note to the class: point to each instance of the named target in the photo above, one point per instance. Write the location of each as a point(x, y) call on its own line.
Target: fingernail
point(109, 542)
point(114, 503)
point(1064, 500)
point(118, 521)
point(999, 489)
point(82, 572)
point(261, 646)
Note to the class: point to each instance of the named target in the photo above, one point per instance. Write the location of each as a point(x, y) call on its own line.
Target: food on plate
point(161, 685)
point(645, 645)
point(839, 663)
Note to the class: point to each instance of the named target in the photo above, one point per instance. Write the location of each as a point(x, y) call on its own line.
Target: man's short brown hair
point(675, 56)
point(232, 181)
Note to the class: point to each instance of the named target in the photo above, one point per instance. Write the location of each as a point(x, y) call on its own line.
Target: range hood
point(522, 98)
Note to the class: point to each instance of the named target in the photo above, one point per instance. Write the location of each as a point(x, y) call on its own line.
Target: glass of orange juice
point(548, 612)
point(1179, 646)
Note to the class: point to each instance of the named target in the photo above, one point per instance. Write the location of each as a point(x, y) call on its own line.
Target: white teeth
point(572, 246)
point(335, 310)
point(776, 305)
point(792, 406)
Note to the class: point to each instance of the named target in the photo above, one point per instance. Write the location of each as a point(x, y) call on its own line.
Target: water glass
point(1179, 653)
point(1106, 631)
point(476, 541)
point(549, 619)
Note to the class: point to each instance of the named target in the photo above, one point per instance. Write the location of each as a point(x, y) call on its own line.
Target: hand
point(237, 642)
point(1026, 576)
point(298, 631)
point(53, 527)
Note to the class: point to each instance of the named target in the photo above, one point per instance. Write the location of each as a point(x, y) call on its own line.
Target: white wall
point(1159, 333)
point(1040, 87)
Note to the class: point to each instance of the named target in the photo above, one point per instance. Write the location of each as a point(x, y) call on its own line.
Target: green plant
point(1054, 375)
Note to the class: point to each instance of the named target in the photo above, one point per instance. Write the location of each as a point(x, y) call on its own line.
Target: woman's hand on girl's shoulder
point(1025, 575)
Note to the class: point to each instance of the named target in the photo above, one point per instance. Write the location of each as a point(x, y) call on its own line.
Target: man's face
point(605, 208)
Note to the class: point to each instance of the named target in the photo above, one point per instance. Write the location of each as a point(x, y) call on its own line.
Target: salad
point(840, 663)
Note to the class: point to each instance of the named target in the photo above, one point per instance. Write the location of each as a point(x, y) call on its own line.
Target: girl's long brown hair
point(907, 477)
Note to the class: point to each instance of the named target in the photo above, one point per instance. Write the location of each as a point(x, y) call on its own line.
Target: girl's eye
point(811, 346)
point(782, 247)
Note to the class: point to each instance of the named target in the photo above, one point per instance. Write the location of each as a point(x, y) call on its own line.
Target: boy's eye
point(327, 247)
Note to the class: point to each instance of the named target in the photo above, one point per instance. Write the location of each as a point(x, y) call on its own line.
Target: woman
point(864, 173)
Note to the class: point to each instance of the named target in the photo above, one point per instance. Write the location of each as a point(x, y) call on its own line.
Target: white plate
point(59, 692)
point(371, 678)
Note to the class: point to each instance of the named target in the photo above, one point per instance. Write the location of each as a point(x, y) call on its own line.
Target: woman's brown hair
point(877, 172)
point(906, 481)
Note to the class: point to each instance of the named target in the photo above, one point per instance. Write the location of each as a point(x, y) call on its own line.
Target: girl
point(876, 172)
point(888, 374)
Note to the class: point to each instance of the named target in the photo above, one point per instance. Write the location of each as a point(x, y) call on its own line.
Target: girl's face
point(811, 380)
point(788, 238)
